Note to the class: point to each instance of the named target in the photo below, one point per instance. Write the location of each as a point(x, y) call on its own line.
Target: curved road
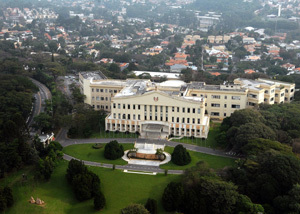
point(40, 97)
point(62, 138)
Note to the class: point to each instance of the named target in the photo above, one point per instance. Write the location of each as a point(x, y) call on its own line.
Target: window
point(93, 106)
point(133, 116)
point(224, 114)
point(172, 119)
point(286, 91)
point(114, 116)
point(145, 107)
point(128, 116)
point(106, 98)
point(133, 106)
point(177, 119)
point(188, 110)
point(173, 108)
point(198, 121)
point(102, 98)
point(266, 91)
point(193, 120)
point(97, 90)
point(194, 110)
point(119, 105)
point(194, 95)
point(92, 90)
point(183, 110)
point(215, 96)
point(161, 109)
point(105, 90)
point(150, 108)
point(114, 105)
point(115, 91)
point(292, 90)
point(119, 116)
point(139, 107)
point(215, 105)
point(177, 109)
point(276, 95)
point(199, 110)
point(124, 106)
point(128, 106)
point(150, 117)
point(188, 120)
point(273, 90)
point(272, 98)
point(215, 114)
point(97, 98)
point(124, 116)
point(252, 96)
point(93, 98)
point(282, 94)
point(183, 120)
point(139, 117)
point(167, 109)
point(98, 106)
point(235, 106)
point(225, 97)
point(235, 97)
point(225, 105)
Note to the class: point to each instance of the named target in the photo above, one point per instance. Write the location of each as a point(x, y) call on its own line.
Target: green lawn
point(210, 142)
point(120, 190)
point(86, 152)
point(214, 162)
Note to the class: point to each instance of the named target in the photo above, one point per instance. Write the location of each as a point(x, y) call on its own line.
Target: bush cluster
point(6, 198)
point(180, 156)
point(85, 184)
point(113, 150)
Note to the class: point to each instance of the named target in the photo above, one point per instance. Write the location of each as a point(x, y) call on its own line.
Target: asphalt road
point(62, 138)
point(40, 97)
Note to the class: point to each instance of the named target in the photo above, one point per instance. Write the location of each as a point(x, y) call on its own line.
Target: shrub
point(113, 150)
point(151, 206)
point(75, 167)
point(180, 156)
point(97, 146)
point(172, 197)
point(99, 201)
point(135, 209)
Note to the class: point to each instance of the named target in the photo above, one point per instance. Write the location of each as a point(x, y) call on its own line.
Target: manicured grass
point(214, 162)
point(104, 134)
point(87, 152)
point(119, 188)
point(210, 142)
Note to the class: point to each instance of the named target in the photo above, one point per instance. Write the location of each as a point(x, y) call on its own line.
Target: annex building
point(157, 110)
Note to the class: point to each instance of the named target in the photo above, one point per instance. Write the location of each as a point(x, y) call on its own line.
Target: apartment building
point(267, 91)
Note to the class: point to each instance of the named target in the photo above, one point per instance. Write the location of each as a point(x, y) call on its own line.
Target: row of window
point(155, 118)
point(225, 105)
point(155, 108)
point(101, 107)
point(101, 98)
point(104, 90)
point(225, 97)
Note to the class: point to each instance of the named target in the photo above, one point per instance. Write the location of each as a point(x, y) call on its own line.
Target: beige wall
point(182, 116)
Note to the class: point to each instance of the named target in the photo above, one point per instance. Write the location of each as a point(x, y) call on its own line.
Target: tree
point(75, 167)
point(289, 203)
point(151, 206)
point(99, 201)
point(43, 121)
point(172, 197)
point(113, 150)
point(135, 209)
point(7, 193)
point(181, 156)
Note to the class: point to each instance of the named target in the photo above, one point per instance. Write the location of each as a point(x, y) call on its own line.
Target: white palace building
point(158, 110)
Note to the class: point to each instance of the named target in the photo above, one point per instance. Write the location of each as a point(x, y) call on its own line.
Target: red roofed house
point(249, 71)
point(288, 66)
point(215, 73)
